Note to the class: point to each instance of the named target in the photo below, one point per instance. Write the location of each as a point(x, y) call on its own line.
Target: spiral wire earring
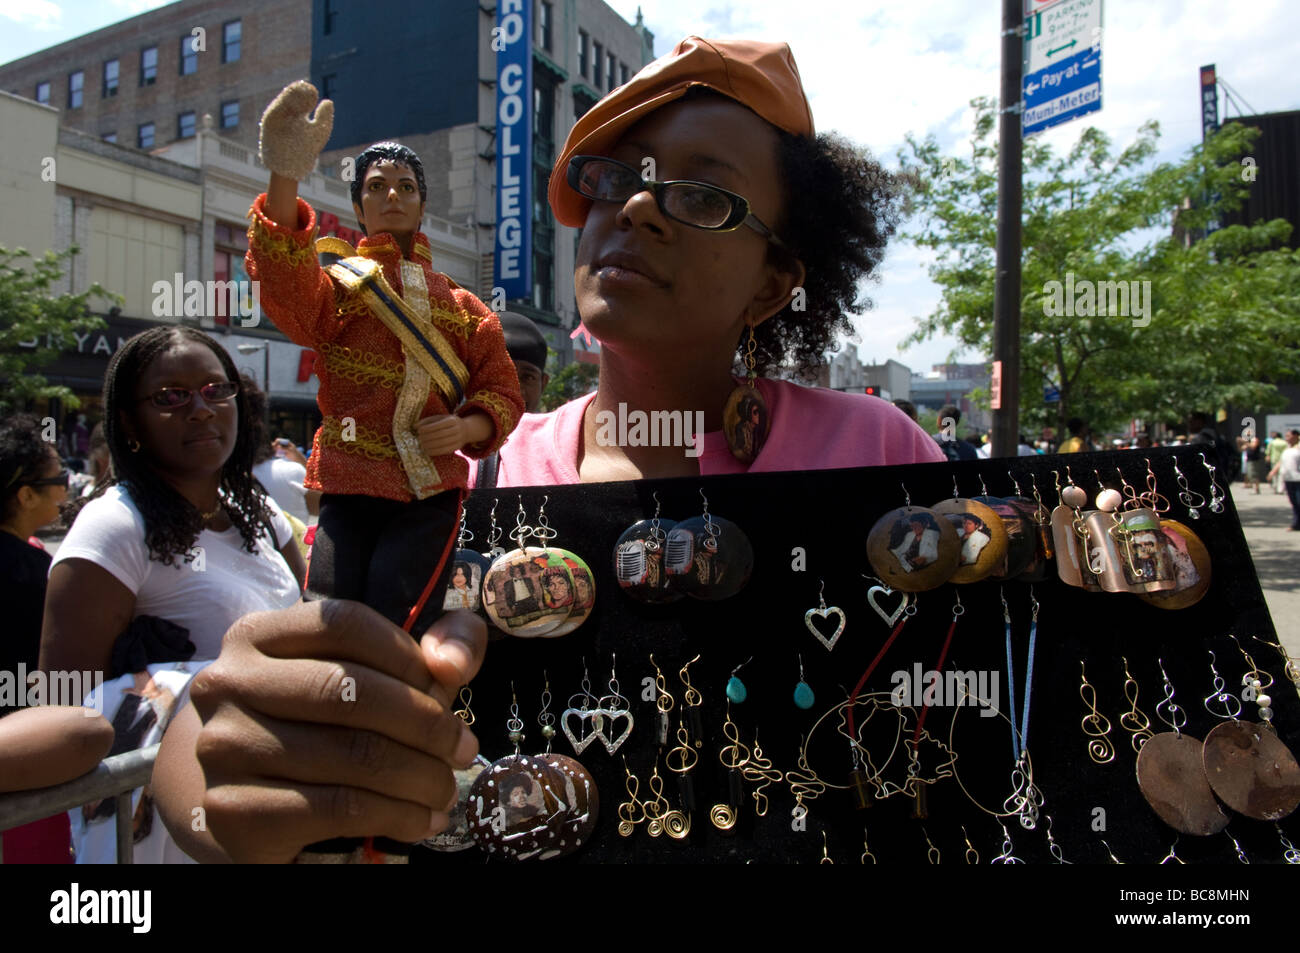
point(1290, 855)
point(1095, 725)
point(546, 717)
point(464, 713)
point(1186, 495)
point(1006, 857)
point(632, 811)
point(1111, 853)
point(1217, 496)
point(1134, 720)
point(663, 705)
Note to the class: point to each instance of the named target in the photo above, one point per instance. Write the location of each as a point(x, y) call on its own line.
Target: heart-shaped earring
point(580, 707)
point(889, 617)
point(614, 707)
point(823, 612)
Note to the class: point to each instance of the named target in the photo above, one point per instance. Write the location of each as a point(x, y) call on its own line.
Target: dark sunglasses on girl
point(59, 479)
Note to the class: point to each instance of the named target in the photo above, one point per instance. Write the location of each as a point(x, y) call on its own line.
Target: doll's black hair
point(391, 152)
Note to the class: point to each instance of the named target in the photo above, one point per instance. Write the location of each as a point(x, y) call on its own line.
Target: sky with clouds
point(876, 71)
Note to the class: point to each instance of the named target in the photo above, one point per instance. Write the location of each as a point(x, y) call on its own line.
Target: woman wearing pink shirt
point(714, 222)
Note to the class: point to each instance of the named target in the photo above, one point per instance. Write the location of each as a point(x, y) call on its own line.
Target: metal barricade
point(114, 777)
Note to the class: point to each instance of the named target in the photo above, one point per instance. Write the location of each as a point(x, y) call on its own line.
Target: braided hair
point(171, 523)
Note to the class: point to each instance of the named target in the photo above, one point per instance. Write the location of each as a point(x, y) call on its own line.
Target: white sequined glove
point(290, 138)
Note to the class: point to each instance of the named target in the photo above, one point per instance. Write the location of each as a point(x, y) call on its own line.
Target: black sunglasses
point(696, 204)
point(174, 398)
point(59, 479)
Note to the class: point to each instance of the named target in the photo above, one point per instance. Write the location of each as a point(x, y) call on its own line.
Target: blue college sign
point(513, 41)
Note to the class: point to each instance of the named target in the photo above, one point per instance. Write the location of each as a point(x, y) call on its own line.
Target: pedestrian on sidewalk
point(1288, 468)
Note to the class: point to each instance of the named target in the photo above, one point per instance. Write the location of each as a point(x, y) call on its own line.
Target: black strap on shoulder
point(486, 476)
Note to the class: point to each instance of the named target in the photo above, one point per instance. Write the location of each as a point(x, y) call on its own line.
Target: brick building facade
point(143, 83)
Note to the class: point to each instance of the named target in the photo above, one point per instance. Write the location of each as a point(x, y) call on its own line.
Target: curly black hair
point(841, 208)
point(23, 454)
point(171, 523)
point(392, 152)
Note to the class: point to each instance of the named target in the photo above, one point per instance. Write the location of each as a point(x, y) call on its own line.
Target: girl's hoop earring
point(133, 445)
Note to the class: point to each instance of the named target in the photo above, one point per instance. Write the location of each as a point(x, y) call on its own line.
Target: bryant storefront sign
point(512, 40)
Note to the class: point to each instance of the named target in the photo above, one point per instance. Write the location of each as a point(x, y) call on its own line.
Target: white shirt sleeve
point(109, 532)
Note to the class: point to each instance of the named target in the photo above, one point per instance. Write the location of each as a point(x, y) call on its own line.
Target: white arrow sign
point(1061, 30)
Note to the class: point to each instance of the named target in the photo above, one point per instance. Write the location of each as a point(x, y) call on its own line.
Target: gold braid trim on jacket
point(362, 367)
point(365, 442)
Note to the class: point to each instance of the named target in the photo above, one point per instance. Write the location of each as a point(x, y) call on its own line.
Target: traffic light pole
point(1006, 285)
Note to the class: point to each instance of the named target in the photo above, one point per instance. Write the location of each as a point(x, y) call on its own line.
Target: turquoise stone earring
point(803, 693)
point(736, 690)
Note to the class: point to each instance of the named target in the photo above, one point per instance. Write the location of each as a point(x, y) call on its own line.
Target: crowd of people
point(687, 283)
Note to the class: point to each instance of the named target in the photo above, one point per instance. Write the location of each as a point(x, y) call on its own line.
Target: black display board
point(827, 515)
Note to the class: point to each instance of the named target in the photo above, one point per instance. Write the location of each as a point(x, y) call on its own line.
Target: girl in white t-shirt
point(179, 530)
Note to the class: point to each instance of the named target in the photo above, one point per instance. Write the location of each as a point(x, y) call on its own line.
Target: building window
point(148, 66)
point(185, 125)
point(109, 137)
point(622, 74)
point(544, 17)
point(544, 116)
point(583, 42)
point(230, 37)
point(43, 93)
point(596, 60)
point(229, 244)
point(610, 72)
point(76, 83)
point(144, 136)
point(189, 56)
point(328, 82)
point(230, 114)
point(111, 70)
point(331, 13)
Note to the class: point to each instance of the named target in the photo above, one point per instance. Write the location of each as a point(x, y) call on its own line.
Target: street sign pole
point(1006, 284)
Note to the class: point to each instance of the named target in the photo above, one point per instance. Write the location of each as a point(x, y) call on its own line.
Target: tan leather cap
point(762, 76)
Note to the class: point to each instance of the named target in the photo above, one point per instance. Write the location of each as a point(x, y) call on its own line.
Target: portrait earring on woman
point(745, 418)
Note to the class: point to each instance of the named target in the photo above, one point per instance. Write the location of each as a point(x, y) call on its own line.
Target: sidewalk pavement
point(1276, 554)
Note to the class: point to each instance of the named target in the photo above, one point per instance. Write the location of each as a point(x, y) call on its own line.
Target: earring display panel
point(799, 775)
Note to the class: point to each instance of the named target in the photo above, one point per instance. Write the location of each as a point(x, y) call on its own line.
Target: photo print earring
point(528, 592)
point(823, 613)
point(981, 532)
point(745, 417)
point(582, 596)
point(708, 557)
point(639, 560)
point(457, 836)
point(1191, 568)
point(464, 590)
point(1035, 518)
point(1022, 540)
point(531, 807)
point(912, 548)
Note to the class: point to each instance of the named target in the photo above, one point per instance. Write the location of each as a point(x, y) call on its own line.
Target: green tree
point(573, 381)
point(1218, 326)
point(30, 311)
